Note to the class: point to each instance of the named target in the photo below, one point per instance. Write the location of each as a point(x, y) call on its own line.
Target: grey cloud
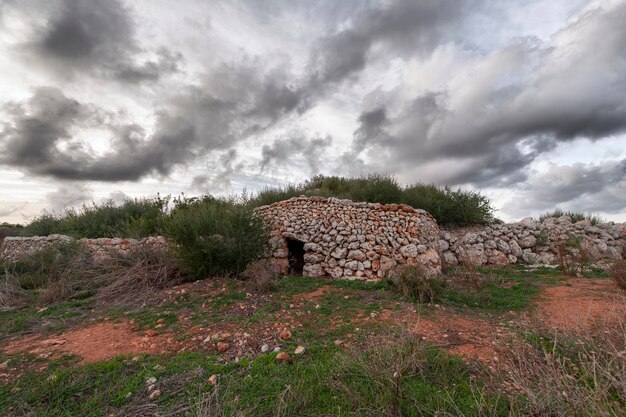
point(222, 178)
point(98, 37)
point(8, 210)
point(491, 139)
point(296, 144)
point(415, 26)
point(43, 137)
point(579, 187)
point(68, 196)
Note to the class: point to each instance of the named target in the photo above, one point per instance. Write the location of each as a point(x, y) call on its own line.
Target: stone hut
point(316, 236)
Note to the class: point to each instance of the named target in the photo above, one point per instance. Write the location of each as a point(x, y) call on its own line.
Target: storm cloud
point(399, 26)
point(105, 96)
point(236, 102)
point(494, 124)
point(99, 38)
point(582, 187)
point(293, 146)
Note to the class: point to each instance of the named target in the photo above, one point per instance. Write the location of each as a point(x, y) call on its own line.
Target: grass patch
point(492, 297)
point(325, 381)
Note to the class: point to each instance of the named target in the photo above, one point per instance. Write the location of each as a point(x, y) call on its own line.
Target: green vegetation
point(449, 207)
point(215, 236)
point(325, 382)
point(491, 296)
point(8, 229)
point(575, 216)
point(382, 367)
point(133, 218)
point(143, 217)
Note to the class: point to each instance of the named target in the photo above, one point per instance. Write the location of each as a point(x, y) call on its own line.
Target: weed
point(566, 375)
point(414, 283)
point(575, 216)
point(617, 272)
point(571, 254)
point(406, 377)
point(261, 276)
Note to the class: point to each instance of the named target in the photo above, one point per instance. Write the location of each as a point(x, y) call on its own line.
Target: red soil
point(92, 343)
point(581, 304)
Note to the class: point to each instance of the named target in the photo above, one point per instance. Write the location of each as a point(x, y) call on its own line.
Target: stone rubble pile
point(352, 240)
point(14, 247)
point(532, 242)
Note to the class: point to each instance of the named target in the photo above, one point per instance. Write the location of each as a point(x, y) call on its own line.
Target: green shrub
point(271, 195)
point(133, 218)
point(215, 236)
point(44, 225)
point(8, 229)
point(575, 216)
point(449, 207)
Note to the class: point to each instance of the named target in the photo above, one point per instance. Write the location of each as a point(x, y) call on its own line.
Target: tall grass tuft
point(575, 216)
point(215, 236)
point(617, 272)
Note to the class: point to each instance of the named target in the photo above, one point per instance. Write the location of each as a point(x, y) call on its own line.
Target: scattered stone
point(213, 380)
point(222, 347)
point(285, 334)
point(265, 348)
point(299, 350)
point(155, 394)
point(151, 381)
point(282, 357)
point(277, 349)
point(151, 333)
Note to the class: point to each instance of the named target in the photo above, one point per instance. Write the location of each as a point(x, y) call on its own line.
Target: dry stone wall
point(319, 236)
point(533, 242)
point(341, 238)
point(14, 247)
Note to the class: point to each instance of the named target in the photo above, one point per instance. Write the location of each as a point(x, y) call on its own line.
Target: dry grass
point(69, 272)
point(567, 375)
point(136, 276)
point(413, 282)
point(11, 294)
point(261, 276)
point(617, 272)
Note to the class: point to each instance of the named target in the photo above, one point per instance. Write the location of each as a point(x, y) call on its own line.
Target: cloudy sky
point(524, 100)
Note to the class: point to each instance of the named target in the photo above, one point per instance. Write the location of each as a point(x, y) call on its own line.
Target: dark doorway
point(295, 254)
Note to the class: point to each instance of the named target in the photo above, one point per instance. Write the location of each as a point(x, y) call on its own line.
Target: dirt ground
point(93, 343)
point(573, 305)
point(582, 303)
